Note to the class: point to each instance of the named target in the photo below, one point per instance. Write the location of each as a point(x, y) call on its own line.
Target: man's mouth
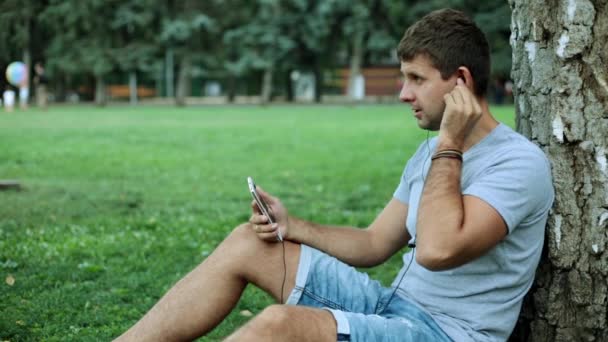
point(417, 113)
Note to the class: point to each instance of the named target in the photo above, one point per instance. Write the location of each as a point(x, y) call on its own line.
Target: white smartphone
point(261, 204)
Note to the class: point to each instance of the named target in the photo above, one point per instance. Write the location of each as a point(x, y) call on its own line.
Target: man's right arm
point(356, 247)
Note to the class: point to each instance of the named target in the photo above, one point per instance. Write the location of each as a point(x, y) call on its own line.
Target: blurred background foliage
point(246, 46)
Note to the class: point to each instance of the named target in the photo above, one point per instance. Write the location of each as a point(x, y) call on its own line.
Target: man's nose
point(406, 94)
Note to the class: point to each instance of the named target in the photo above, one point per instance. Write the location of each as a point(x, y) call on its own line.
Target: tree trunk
point(100, 91)
point(356, 58)
point(561, 98)
point(169, 71)
point(289, 85)
point(27, 55)
point(27, 60)
point(133, 88)
point(183, 80)
point(231, 88)
point(267, 85)
point(318, 72)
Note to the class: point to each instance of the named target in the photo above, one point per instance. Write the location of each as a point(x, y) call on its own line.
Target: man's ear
point(463, 73)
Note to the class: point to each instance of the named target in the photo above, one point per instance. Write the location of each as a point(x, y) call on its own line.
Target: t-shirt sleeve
point(412, 168)
point(402, 193)
point(517, 185)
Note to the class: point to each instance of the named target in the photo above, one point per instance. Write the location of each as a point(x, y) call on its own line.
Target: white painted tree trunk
point(560, 72)
point(356, 59)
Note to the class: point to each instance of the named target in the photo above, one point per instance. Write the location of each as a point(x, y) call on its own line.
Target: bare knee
point(241, 247)
point(241, 232)
point(270, 322)
point(290, 323)
point(274, 317)
point(243, 239)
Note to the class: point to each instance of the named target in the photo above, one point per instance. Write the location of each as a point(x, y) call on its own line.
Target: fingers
point(260, 224)
point(264, 228)
point(255, 208)
point(268, 232)
point(462, 100)
point(269, 237)
point(461, 113)
point(449, 100)
point(457, 94)
point(477, 107)
point(465, 98)
point(258, 219)
point(266, 196)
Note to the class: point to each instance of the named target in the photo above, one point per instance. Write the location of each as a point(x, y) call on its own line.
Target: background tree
point(82, 41)
point(561, 91)
point(189, 32)
point(19, 31)
point(248, 46)
point(315, 28)
point(259, 44)
point(368, 35)
point(136, 44)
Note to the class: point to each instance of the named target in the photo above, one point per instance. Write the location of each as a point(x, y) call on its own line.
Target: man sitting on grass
point(472, 204)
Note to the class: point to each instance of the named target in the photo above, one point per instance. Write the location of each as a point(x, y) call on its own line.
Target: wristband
point(448, 153)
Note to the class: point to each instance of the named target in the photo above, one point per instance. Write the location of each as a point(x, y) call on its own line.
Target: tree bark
point(267, 85)
point(561, 100)
point(100, 91)
point(289, 85)
point(231, 88)
point(318, 72)
point(183, 80)
point(169, 71)
point(27, 55)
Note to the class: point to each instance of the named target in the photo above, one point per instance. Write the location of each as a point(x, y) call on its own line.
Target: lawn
point(120, 202)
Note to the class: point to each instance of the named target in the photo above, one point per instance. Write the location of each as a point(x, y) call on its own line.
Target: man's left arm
point(453, 229)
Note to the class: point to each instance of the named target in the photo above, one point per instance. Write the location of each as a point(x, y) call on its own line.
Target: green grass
point(121, 202)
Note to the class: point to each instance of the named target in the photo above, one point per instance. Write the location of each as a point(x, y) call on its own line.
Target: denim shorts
point(358, 303)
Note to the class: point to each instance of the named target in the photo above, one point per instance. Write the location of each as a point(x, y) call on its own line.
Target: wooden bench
point(122, 91)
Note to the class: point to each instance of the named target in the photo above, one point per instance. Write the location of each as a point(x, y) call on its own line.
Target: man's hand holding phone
point(269, 218)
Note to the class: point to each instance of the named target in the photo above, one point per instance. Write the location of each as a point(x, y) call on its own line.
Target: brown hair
point(449, 39)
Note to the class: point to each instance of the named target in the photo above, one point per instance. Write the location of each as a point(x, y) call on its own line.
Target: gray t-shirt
point(481, 300)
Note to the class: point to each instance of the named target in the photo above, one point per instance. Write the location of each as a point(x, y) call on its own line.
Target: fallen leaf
point(10, 280)
point(246, 313)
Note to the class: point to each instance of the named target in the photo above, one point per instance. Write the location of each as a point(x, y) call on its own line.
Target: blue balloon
point(16, 73)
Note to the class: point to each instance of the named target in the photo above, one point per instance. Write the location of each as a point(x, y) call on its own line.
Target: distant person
point(472, 203)
point(9, 98)
point(509, 90)
point(24, 92)
point(40, 81)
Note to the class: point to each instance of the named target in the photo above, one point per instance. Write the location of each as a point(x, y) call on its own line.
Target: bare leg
point(288, 323)
point(203, 298)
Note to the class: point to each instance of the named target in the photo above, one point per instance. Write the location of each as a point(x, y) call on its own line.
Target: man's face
point(423, 88)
